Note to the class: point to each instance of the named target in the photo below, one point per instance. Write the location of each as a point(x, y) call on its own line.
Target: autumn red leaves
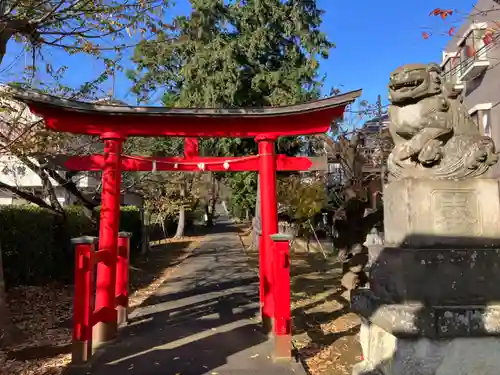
point(444, 14)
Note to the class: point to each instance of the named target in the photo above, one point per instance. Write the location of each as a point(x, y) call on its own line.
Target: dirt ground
point(325, 332)
point(43, 314)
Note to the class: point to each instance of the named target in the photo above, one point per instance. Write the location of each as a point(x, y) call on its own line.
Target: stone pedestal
point(388, 354)
point(420, 213)
point(433, 302)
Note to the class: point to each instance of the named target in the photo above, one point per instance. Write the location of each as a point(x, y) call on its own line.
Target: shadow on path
point(201, 321)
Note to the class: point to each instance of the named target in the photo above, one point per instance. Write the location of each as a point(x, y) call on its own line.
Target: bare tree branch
point(27, 196)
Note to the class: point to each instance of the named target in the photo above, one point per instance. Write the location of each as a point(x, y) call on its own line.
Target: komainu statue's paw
point(402, 152)
point(431, 152)
point(483, 155)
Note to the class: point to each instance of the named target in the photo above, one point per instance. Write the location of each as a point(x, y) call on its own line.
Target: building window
point(451, 69)
point(473, 48)
point(481, 116)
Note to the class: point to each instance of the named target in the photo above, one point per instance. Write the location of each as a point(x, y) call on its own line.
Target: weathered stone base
point(432, 303)
point(442, 213)
point(385, 354)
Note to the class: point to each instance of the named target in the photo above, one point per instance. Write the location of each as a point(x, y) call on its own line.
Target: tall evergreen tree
point(251, 53)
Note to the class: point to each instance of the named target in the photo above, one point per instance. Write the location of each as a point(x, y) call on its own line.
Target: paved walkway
point(201, 321)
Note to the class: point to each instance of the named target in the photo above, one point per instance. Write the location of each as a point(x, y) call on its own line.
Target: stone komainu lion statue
point(434, 135)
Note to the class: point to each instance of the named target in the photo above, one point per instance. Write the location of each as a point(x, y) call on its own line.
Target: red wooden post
point(191, 147)
point(122, 276)
point(282, 311)
point(83, 299)
point(262, 286)
point(269, 213)
point(106, 325)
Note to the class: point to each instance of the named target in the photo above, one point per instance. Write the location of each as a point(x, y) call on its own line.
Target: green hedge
point(36, 243)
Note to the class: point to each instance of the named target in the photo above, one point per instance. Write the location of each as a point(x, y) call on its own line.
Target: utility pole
point(381, 145)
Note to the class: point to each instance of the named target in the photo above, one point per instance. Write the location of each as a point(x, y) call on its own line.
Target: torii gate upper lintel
point(71, 116)
point(115, 123)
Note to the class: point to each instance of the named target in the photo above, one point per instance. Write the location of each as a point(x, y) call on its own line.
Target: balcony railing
point(473, 66)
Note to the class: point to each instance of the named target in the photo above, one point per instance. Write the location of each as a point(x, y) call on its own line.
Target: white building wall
point(13, 172)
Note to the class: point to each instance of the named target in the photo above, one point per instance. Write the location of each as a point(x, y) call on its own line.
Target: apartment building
point(376, 143)
point(471, 61)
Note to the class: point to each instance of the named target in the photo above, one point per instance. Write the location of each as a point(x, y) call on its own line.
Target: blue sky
point(372, 39)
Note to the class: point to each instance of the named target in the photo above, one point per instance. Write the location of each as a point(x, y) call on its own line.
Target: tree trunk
point(145, 216)
point(182, 223)
point(9, 333)
point(163, 228)
point(209, 215)
point(226, 209)
point(182, 214)
point(256, 222)
point(71, 188)
point(9, 27)
point(27, 196)
point(210, 209)
point(47, 186)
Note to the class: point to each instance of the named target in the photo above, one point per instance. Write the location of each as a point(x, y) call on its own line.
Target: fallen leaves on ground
point(325, 331)
point(332, 348)
point(44, 314)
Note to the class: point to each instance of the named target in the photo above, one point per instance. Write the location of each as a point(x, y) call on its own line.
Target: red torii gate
point(115, 123)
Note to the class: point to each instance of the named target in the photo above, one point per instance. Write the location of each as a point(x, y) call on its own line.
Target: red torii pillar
point(191, 148)
point(107, 327)
point(269, 220)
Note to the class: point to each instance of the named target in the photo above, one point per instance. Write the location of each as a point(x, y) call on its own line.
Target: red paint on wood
point(262, 274)
point(235, 164)
point(104, 315)
point(83, 303)
point(282, 310)
point(122, 278)
point(115, 127)
point(282, 313)
point(108, 233)
point(83, 299)
point(191, 148)
point(299, 123)
point(269, 210)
